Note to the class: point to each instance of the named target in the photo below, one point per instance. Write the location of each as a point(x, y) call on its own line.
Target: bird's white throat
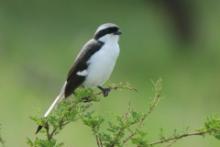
point(110, 38)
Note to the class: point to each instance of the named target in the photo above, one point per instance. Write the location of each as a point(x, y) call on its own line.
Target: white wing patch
point(82, 73)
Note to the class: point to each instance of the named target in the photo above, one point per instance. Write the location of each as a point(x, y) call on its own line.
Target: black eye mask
point(106, 31)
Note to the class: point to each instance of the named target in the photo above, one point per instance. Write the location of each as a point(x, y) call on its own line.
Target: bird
point(93, 64)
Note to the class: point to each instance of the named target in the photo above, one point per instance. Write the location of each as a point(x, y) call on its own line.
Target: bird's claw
point(105, 91)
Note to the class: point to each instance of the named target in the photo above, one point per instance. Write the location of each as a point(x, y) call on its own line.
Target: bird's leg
point(105, 91)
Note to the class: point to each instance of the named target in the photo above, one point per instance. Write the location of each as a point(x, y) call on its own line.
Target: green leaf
point(212, 125)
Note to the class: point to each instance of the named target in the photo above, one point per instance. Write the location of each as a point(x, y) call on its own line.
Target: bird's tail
point(58, 99)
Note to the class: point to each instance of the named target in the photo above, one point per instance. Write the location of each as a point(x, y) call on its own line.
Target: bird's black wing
point(74, 80)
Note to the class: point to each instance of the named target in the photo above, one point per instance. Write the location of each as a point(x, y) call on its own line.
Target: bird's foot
point(105, 91)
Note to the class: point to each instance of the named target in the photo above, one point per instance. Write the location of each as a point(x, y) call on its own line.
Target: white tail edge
point(58, 99)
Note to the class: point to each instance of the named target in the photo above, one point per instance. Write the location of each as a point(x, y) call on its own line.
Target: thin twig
point(2, 142)
point(47, 131)
point(123, 129)
point(156, 100)
point(117, 135)
point(172, 143)
point(175, 138)
point(53, 133)
point(129, 137)
point(98, 141)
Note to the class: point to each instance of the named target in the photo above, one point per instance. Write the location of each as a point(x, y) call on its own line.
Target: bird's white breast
point(101, 64)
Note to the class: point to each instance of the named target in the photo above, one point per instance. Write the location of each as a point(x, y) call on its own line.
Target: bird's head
point(107, 32)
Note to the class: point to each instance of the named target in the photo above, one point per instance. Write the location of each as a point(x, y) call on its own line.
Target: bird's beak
point(118, 33)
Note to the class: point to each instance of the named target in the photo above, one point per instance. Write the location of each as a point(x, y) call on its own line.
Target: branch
point(1, 139)
point(119, 86)
point(155, 102)
point(156, 99)
point(71, 110)
point(98, 141)
point(127, 127)
point(178, 137)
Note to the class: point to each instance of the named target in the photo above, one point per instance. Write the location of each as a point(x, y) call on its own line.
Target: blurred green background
point(40, 39)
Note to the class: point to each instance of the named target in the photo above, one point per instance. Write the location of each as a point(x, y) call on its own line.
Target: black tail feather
point(38, 129)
